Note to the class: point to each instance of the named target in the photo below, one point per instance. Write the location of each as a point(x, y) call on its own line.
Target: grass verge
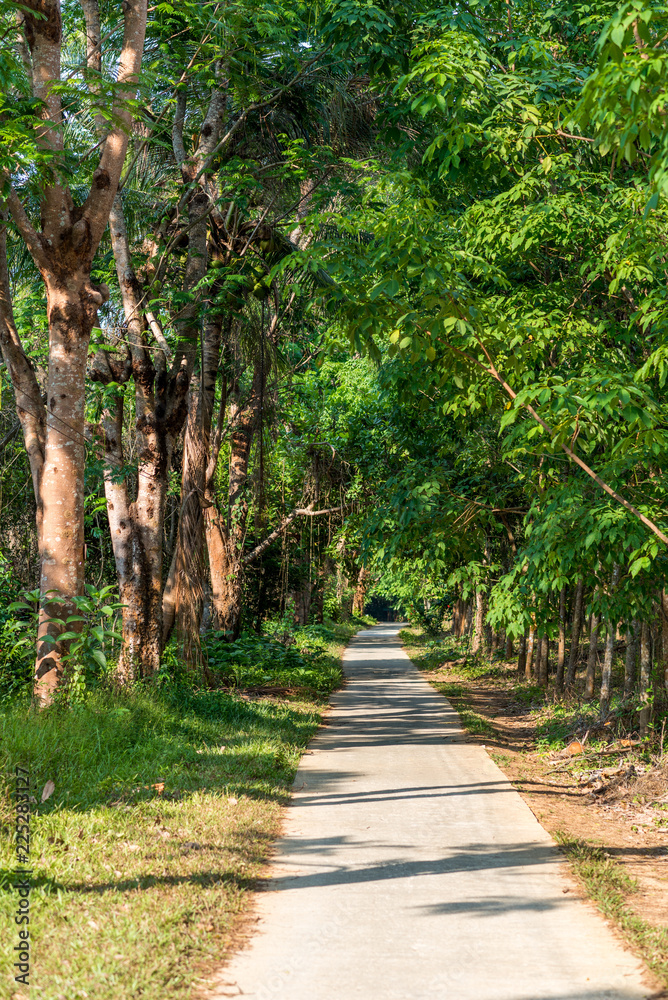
point(164, 808)
point(608, 886)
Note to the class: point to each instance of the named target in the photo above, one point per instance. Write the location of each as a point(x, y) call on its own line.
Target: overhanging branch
point(564, 447)
point(299, 512)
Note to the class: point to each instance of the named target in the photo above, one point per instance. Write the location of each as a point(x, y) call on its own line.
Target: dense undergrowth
point(165, 800)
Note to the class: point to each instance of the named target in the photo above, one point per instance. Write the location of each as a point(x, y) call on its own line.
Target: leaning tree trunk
point(30, 408)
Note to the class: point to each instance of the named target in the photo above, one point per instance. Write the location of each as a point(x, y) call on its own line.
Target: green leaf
point(99, 657)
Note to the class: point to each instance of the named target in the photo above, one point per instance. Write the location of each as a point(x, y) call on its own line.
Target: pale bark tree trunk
point(575, 634)
point(479, 633)
point(64, 251)
point(631, 654)
point(531, 642)
point(645, 677)
point(542, 647)
point(606, 674)
point(590, 679)
point(561, 649)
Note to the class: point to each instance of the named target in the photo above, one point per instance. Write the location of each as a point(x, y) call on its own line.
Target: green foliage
point(87, 633)
point(289, 660)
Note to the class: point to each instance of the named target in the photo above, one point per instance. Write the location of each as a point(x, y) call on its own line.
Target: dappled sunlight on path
point(411, 869)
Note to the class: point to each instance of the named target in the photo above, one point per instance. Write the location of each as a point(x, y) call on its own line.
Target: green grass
point(609, 886)
point(164, 810)
point(472, 722)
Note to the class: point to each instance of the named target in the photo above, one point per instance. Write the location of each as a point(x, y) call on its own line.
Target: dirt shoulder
point(601, 799)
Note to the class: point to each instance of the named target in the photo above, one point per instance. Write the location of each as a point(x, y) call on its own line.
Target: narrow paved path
point(410, 869)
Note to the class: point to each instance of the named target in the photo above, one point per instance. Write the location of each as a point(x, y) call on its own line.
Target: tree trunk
point(183, 600)
point(30, 408)
point(631, 654)
point(137, 526)
point(225, 568)
point(575, 634)
point(543, 647)
point(531, 642)
point(664, 638)
point(561, 649)
point(72, 311)
point(645, 678)
point(464, 619)
point(479, 632)
point(606, 675)
point(225, 535)
point(456, 616)
point(522, 655)
point(590, 680)
point(359, 600)
point(509, 652)
point(63, 252)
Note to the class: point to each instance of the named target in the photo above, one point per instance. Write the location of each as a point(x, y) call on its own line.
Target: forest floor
point(159, 813)
point(602, 795)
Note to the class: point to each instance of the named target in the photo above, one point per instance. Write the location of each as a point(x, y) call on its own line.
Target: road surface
point(410, 868)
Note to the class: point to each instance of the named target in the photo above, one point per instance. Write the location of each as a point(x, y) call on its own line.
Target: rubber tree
point(161, 381)
point(63, 246)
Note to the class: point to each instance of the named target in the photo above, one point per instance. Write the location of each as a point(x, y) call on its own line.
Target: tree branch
point(106, 177)
point(27, 230)
point(299, 512)
point(564, 447)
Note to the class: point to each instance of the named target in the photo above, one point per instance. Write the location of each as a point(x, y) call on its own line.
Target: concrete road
point(410, 869)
